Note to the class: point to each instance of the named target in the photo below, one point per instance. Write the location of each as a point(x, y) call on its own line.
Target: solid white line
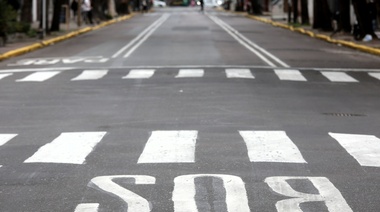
point(2, 76)
point(338, 76)
point(140, 74)
point(291, 75)
point(39, 76)
point(35, 70)
point(164, 17)
point(271, 146)
point(364, 148)
point(239, 73)
point(70, 148)
point(170, 147)
point(375, 75)
point(90, 75)
point(234, 31)
point(183, 73)
point(139, 36)
point(4, 138)
point(262, 57)
point(87, 207)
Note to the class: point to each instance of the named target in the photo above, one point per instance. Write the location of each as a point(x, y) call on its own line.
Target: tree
point(322, 15)
point(7, 16)
point(57, 9)
point(305, 12)
point(111, 8)
point(295, 11)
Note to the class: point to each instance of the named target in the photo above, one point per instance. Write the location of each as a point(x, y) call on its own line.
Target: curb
point(45, 43)
point(326, 38)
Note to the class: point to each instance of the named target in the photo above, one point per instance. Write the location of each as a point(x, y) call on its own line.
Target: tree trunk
point(345, 17)
point(305, 12)
point(322, 15)
point(26, 12)
point(56, 15)
point(295, 11)
point(111, 8)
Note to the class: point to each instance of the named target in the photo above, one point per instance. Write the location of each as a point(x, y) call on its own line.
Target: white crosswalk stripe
point(271, 146)
point(90, 75)
point(338, 76)
point(180, 147)
point(291, 75)
point(70, 148)
point(375, 75)
point(2, 76)
point(183, 73)
point(239, 73)
point(39, 76)
point(364, 148)
point(140, 74)
point(170, 147)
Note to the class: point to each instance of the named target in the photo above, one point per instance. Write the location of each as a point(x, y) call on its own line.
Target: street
point(180, 110)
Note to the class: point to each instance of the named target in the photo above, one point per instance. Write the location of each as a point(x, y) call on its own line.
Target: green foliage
point(7, 17)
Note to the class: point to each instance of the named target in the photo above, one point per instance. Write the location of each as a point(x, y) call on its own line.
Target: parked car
point(159, 3)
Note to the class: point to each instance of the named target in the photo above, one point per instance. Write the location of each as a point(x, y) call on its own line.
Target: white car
point(159, 3)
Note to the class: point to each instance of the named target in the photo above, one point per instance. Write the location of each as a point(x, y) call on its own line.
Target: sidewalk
point(22, 44)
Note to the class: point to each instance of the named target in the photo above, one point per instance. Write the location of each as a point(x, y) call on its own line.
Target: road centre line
point(248, 44)
point(148, 30)
point(255, 45)
point(163, 19)
point(262, 57)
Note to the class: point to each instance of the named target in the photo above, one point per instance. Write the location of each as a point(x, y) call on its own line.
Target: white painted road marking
point(2, 76)
point(239, 73)
point(170, 147)
point(71, 148)
point(271, 146)
point(87, 207)
point(364, 148)
point(328, 194)
point(133, 202)
point(183, 73)
point(4, 138)
point(140, 74)
point(338, 76)
point(184, 193)
point(375, 75)
point(90, 75)
point(291, 75)
point(39, 76)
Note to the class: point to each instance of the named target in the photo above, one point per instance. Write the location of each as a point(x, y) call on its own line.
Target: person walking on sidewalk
point(87, 10)
point(74, 8)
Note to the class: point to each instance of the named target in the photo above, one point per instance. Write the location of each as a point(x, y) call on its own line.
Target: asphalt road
point(179, 110)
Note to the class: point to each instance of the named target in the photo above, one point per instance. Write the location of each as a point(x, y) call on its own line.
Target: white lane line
point(39, 76)
point(262, 57)
point(239, 73)
point(338, 76)
point(271, 146)
point(138, 37)
point(375, 75)
point(140, 74)
point(364, 148)
point(290, 75)
point(4, 138)
point(70, 148)
point(90, 75)
point(2, 76)
point(246, 42)
point(87, 207)
point(170, 147)
point(183, 73)
point(164, 18)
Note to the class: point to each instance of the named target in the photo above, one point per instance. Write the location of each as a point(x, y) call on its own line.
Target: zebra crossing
point(180, 146)
point(291, 75)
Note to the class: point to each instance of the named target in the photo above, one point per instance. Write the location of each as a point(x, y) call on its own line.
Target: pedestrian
point(74, 7)
point(87, 10)
point(144, 6)
point(202, 4)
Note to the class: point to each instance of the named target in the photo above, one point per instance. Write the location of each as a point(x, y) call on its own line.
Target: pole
point(43, 18)
point(79, 12)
